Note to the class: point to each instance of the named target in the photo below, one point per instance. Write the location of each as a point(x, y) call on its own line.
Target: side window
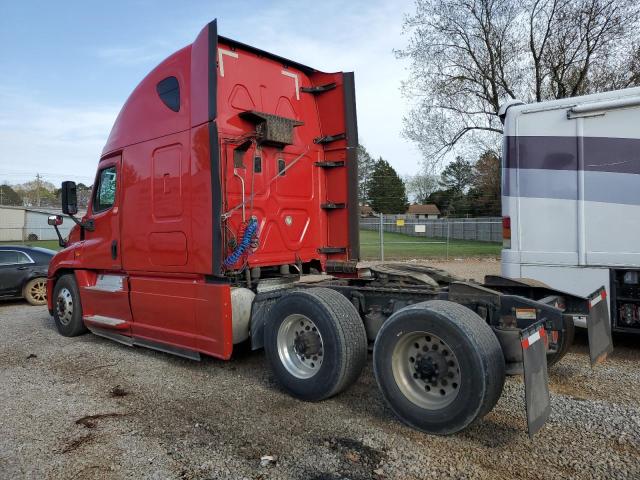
point(23, 258)
point(105, 193)
point(7, 258)
point(13, 257)
point(169, 92)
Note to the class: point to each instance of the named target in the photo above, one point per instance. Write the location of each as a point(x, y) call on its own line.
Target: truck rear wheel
point(315, 342)
point(67, 309)
point(439, 366)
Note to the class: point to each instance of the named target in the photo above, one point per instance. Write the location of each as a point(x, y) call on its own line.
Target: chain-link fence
point(385, 237)
point(398, 237)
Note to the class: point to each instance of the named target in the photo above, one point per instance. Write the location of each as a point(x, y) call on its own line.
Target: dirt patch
point(77, 443)
point(90, 421)
point(118, 391)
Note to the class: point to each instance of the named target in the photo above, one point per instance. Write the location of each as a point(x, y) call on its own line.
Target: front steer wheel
point(315, 342)
point(67, 310)
point(439, 366)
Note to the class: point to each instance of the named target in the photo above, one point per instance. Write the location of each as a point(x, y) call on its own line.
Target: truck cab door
point(101, 248)
point(104, 287)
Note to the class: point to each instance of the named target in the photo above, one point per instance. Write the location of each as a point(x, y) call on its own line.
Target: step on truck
point(225, 211)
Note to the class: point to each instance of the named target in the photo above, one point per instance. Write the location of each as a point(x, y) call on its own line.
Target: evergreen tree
point(386, 191)
point(365, 170)
point(457, 176)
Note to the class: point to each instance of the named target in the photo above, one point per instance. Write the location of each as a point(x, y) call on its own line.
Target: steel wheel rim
point(426, 370)
point(64, 306)
point(38, 290)
point(300, 346)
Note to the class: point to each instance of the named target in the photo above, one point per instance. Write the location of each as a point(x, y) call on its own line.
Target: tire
point(67, 309)
point(565, 340)
point(449, 349)
point(35, 291)
point(315, 342)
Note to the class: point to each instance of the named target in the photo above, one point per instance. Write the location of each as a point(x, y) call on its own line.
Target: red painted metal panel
point(292, 223)
point(112, 304)
point(143, 116)
point(156, 210)
point(183, 312)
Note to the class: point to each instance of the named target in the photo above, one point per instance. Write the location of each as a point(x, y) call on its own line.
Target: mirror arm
point(61, 241)
point(88, 225)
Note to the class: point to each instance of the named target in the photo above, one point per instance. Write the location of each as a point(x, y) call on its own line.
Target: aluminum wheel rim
point(38, 291)
point(426, 370)
point(300, 346)
point(64, 306)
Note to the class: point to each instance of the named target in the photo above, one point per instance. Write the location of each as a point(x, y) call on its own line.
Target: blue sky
point(66, 68)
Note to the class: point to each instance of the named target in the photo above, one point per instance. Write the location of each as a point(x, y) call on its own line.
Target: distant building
point(428, 211)
point(24, 224)
point(366, 211)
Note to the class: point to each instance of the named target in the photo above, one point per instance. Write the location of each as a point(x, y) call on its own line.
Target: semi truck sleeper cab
point(225, 210)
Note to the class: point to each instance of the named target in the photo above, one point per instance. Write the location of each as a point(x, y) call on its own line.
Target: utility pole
point(38, 177)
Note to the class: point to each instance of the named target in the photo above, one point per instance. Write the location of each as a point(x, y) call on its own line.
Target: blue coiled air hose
point(244, 243)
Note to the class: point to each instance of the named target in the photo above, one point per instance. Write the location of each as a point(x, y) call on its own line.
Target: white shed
point(29, 225)
point(12, 221)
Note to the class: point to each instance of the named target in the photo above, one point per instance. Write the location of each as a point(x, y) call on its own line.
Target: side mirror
point(55, 220)
point(69, 198)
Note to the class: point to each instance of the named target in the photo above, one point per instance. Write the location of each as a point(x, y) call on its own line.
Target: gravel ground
point(86, 407)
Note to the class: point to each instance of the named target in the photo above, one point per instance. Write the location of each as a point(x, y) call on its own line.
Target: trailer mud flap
point(599, 327)
point(536, 379)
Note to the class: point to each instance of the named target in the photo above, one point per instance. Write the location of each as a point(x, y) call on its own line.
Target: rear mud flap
point(599, 327)
point(536, 378)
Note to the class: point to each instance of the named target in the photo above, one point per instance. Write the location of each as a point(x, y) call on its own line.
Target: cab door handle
point(114, 249)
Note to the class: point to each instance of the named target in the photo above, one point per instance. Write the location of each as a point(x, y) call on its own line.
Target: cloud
point(60, 142)
point(140, 55)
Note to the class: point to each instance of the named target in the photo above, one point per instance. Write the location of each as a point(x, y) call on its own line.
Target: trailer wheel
point(315, 342)
point(565, 340)
point(67, 309)
point(439, 366)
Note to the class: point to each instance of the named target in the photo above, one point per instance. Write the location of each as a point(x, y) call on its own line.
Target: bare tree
point(420, 186)
point(467, 56)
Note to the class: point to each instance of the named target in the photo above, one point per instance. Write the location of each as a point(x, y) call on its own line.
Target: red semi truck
point(225, 210)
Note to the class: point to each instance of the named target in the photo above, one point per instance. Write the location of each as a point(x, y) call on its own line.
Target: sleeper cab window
point(105, 190)
point(169, 92)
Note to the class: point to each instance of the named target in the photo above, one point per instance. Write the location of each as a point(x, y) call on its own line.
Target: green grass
point(424, 248)
point(370, 247)
point(50, 244)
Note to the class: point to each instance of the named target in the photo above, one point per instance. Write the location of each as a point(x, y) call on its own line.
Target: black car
point(23, 273)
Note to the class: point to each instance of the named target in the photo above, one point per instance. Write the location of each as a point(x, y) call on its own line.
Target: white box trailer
point(571, 197)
